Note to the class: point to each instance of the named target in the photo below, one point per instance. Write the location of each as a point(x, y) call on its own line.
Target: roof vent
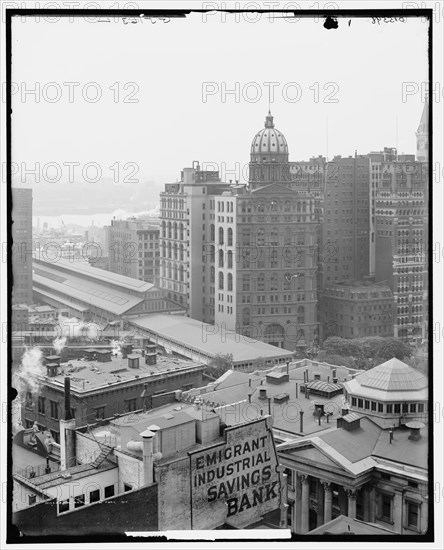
point(349, 422)
point(415, 430)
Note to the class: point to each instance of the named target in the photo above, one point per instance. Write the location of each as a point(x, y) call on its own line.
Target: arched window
point(212, 253)
point(221, 258)
point(212, 274)
point(181, 252)
point(230, 237)
point(221, 235)
point(163, 249)
point(287, 206)
point(181, 231)
point(230, 281)
point(169, 230)
point(221, 280)
point(175, 230)
point(169, 250)
point(170, 271)
point(212, 234)
point(181, 271)
point(163, 229)
point(230, 259)
point(274, 206)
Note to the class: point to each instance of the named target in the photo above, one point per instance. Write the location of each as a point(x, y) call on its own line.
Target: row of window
point(390, 408)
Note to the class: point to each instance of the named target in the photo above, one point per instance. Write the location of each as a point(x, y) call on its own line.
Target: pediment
point(310, 454)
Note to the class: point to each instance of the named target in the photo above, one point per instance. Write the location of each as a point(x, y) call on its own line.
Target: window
point(230, 281)
point(221, 280)
point(94, 496)
point(367, 404)
point(420, 407)
point(63, 506)
point(79, 501)
point(109, 491)
point(386, 508)
point(127, 487)
point(380, 408)
point(230, 237)
point(354, 401)
point(42, 405)
point(413, 484)
point(397, 408)
point(413, 407)
point(412, 514)
point(28, 400)
point(100, 413)
point(390, 409)
point(405, 407)
point(32, 499)
point(130, 405)
point(54, 409)
point(360, 403)
point(385, 476)
point(373, 406)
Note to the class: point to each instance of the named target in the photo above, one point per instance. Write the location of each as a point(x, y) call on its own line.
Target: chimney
point(296, 390)
point(301, 419)
point(288, 367)
point(148, 459)
point(262, 393)
point(68, 415)
point(151, 354)
point(269, 405)
point(335, 380)
point(249, 382)
point(334, 373)
point(249, 398)
point(133, 361)
point(126, 350)
point(391, 435)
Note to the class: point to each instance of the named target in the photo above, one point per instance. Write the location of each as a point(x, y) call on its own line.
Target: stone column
point(424, 515)
point(296, 523)
point(327, 501)
point(351, 493)
point(320, 500)
point(372, 503)
point(366, 502)
point(397, 510)
point(305, 504)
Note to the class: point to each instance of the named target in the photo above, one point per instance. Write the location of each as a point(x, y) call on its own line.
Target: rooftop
point(72, 284)
point(343, 525)
point(393, 375)
point(230, 400)
point(207, 339)
point(90, 375)
point(84, 269)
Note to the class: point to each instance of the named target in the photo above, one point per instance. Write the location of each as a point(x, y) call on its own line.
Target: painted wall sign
point(236, 480)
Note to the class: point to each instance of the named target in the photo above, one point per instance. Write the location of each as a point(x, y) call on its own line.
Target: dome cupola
point(269, 144)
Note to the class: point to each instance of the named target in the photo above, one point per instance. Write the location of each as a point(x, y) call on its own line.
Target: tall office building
point(244, 256)
point(345, 247)
point(133, 249)
point(22, 245)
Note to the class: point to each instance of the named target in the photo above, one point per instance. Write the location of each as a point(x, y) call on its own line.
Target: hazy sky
point(352, 76)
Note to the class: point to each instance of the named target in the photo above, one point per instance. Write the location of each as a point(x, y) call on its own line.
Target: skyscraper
point(22, 245)
point(244, 256)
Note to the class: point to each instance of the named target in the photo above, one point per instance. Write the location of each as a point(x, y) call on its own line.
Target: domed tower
point(268, 156)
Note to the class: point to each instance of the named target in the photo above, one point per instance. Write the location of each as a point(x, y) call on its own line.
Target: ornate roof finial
point(269, 120)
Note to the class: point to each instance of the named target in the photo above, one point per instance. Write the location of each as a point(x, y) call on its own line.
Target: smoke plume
point(26, 378)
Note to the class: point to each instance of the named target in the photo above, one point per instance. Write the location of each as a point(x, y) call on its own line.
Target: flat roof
point(206, 339)
point(90, 375)
point(101, 275)
point(231, 401)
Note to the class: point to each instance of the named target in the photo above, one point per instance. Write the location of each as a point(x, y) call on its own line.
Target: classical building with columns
point(373, 465)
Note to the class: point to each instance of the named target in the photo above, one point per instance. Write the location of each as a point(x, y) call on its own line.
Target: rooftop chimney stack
point(68, 414)
point(151, 354)
point(263, 393)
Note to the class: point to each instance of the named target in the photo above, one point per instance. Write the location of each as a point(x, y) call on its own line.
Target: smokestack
point(249, 398)
point(296, 390)
point(269, 406)
point(263, 393)
point(68, 414)
point(334, 373)
point(249, 382)
point(301, 418)
point(148, 459)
